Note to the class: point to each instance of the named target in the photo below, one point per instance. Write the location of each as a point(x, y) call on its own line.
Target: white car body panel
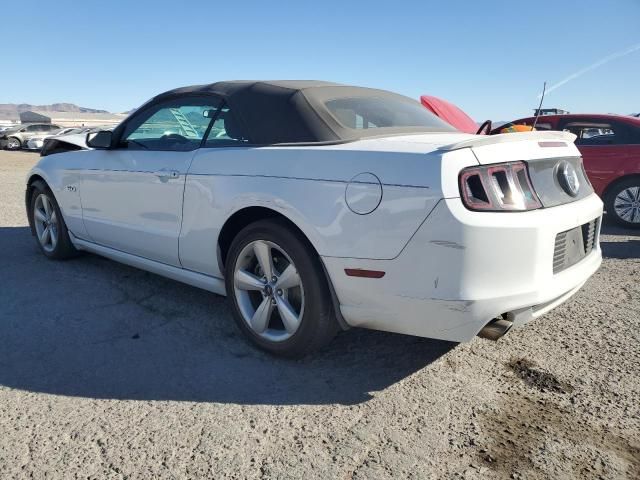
point(449, 270)
point(79, 139)
point(308, 186)
point(132, 203)
point(475, 141)
point(461, 269)
point(34, 143)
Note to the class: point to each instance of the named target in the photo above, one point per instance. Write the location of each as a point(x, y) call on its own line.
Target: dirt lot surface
point(111, 372)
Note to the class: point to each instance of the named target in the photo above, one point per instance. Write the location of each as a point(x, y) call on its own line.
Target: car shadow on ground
point(93, 328)
point(621, 248)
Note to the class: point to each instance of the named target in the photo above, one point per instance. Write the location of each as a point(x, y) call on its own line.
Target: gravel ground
point(111, 372)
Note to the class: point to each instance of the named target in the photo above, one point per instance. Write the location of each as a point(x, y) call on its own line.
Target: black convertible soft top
point(309, 111)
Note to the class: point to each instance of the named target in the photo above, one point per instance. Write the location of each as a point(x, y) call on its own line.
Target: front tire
point(49, 226)
point(277, 289)
point(623, 203)
point(13, 143)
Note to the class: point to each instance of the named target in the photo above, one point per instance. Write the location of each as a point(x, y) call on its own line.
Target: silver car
point(37, 141)
point(17, 137)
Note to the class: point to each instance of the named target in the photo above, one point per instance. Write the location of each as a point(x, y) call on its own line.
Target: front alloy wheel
point(13, 143)
point(46, 222)
point(278, 291)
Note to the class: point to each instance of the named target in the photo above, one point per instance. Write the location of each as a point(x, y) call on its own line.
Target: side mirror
point(99, 140)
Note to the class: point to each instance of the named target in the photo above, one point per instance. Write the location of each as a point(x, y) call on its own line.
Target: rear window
point(361, 113)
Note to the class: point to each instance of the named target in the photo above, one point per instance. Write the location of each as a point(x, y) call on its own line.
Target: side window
point(226, 130)
point(596, 133)
point(175, 125)
point(33, 128)
point(633, 134)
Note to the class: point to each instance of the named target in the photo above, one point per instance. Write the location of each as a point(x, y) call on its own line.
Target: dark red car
point(610, 147)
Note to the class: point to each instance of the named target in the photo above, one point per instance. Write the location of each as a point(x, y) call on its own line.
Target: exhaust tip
point(495, 329)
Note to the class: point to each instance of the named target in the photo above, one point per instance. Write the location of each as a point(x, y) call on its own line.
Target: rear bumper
point(461, 269)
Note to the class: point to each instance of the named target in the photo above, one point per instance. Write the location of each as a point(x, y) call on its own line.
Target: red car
point(610, 147)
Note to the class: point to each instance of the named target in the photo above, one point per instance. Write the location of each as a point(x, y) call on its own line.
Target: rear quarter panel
point(307, 185)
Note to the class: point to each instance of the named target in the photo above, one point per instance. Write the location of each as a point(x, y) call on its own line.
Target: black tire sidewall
point(318, 324)
point(611, 196)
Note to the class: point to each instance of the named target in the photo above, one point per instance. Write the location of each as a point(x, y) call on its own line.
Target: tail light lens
point(498, 188)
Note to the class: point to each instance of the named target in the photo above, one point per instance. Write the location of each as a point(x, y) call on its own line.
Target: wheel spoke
point(246, 281)
point(625, 214)
point(44, 238)
point(40, 215)
point(54, 217)
point(53, 235)
point(46, 206)
point(288, 315)
point(625, 196)
point(262, 252)
point(289, 278)
point(260, 319)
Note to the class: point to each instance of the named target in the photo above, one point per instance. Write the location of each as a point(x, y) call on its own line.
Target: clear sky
point(488, 57)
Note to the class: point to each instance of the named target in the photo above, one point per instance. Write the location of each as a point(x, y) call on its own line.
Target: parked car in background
point(36, 142)
point(70, 141)
point(15, 138)
point(610, 148)
point(315, 206)
point(450, 113)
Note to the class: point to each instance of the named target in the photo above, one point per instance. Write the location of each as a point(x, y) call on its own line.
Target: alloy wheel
point(13, 144)
point(46, 223)
point(268, 290)
point(627, 204)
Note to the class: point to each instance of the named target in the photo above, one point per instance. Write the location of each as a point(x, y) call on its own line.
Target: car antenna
point(544, 89)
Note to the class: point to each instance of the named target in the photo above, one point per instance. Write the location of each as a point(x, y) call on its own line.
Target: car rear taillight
point(498, 188)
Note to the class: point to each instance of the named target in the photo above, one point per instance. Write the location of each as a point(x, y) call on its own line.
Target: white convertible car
point(316, 206)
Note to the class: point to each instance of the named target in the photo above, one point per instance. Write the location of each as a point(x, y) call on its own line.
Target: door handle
point(165, 174)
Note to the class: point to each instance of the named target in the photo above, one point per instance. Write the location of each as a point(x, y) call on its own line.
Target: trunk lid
point(510, 147)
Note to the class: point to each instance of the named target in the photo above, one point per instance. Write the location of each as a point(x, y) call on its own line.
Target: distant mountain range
point(11, 111)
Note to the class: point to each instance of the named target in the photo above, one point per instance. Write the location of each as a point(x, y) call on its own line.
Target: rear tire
point(623, 202)
point(51, 230)
point(291, 313)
